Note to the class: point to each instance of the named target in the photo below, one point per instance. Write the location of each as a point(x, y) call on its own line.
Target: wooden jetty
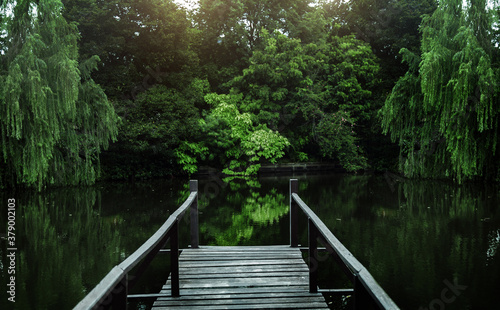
point(253, 277)
point(242, 277)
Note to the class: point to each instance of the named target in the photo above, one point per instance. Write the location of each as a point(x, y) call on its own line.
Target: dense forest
point(102, 90)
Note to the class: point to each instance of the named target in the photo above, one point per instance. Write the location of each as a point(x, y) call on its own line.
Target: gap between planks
point(254, 277)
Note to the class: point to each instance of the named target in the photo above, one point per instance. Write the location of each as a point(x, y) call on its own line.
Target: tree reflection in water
point(411, 236)
point(64, 247)
point(240, 214)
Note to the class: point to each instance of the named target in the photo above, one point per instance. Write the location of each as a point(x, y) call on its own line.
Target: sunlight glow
point(187, 4)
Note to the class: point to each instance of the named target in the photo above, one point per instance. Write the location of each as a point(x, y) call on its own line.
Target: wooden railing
point(367, 292)
point(113, 289)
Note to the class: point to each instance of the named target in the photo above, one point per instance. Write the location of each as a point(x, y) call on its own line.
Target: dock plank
point(255, 277)
point(263, 294)
point(240, 282)
point(241, 269)
point(235, 291)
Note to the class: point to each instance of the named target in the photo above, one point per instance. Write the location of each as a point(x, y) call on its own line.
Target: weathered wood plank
point(230, 256)
point(246, 247)
point(240, 301)
point(238, 290)
point(261, 295)
point(315, 305)
point(241, 249)
point(241, 282)
point(258, 277)
point(215, 276)
point(256, 251)
point(243, 263)
point(243, 269)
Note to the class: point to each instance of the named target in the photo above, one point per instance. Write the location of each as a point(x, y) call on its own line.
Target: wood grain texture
point(254, 277)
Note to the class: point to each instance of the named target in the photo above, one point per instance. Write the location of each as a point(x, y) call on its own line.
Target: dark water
point(417, 238)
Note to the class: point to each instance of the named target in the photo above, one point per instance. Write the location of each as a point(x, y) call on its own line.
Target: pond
point(429, 244)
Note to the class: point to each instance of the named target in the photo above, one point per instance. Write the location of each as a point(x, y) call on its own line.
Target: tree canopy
point(54, 118)
point(444, 111)
point(314, 92)
point(152, 89)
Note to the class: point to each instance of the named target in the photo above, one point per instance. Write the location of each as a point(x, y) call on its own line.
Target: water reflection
point(494, 242)
point(69, 239)
point(412, 236)
point(64, 247)
point(241, 213)
point(416, 237)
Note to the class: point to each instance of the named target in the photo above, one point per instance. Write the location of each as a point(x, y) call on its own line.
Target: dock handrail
point(367, 292)
point(113, 288)
point(112, 291)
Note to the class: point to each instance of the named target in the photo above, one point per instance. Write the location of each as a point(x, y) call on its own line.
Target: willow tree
point(443, 111)
point(54, 119)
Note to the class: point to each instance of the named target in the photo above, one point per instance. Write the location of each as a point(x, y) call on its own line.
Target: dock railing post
point(174, 259)
point(313, 257)
point(119, 300)
point(294, 221)
point(193, 187)
point(361, 296)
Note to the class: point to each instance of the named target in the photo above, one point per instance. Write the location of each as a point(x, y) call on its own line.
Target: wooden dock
point(246, 277)
point(253, 277)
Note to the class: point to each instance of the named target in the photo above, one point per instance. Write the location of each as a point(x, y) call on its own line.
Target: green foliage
point(274, 74)
point(160, 117)
point(187, 154)
point(336, 137)
point(300, 78)
point(240, 145)
point(351, 75)
point(153, 127)
point(443, 111)
point(141, 43)
point(232, 30)
point(54, 119)
point(300, 87)
point(387, 25)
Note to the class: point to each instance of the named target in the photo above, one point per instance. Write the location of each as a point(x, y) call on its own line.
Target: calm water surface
point(417, 238)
